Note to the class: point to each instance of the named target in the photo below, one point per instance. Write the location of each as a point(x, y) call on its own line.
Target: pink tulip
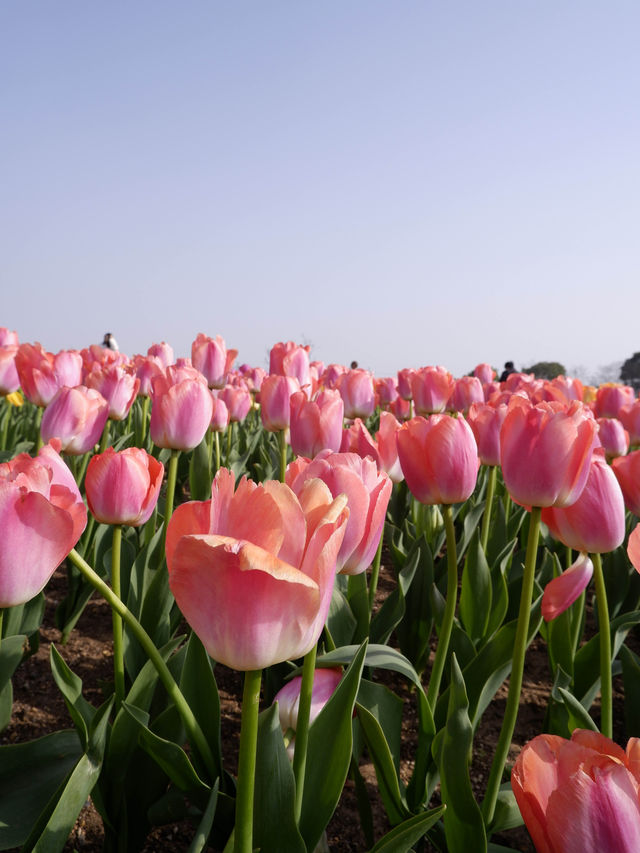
point(431, 388)
point(405, 380)
point(9, 379)
point(485, 422)
point(147, 366)
point(331, 375)
point(289, 359)
point(386, 390)
point(117, 386)
point(613, 437)
point(316, 424)
point(633, 547)
point(35, 370)
point(77, 417)
point(253, 570)
point(387, 443)
point(572, 389)
point(325, 682)
point(67, 367)
point(163, 352)
point(579, 795)
point(42, 516)
point(211, 357)
point(238, 401)
point(400, 409)
point(439, 459)
point(275, 401)
point(627, 470)
point(484, 372)
point(466, 390)
point(220, 418)
point(358, 394)
point(7, 338)
point(123, 487)
point(611, 397)
point(181, 408)
point(595, 521)
point(545, 452)
point(630, 417)
point(368, 492)
point(561, 592)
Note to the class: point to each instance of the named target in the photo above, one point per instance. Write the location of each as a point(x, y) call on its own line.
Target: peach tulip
point(545, 452)
point(42, 516)
point(316, 424)
point(181, 408)
point(579, 795)
point(253, 570)
point(431, 388)
point(122, 487)
point(627, 470)
point(77, 416)
point(439, 458)
point(368, 492)
point(211, 357)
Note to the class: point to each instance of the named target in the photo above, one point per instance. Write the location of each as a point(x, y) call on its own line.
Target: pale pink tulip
point(253, 570)
point(386, 391)
point(561, 592)
point(35, 370)
point(7, 338)
point(405, 382)
point(67, 367)
point(633, 547)
point(220, 417)
point(146, 367)
point(325, 681)
point(163, 352)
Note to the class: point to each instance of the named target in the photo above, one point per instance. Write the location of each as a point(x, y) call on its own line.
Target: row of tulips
point(482, 492)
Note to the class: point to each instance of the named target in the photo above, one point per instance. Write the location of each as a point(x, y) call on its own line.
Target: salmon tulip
point(579, 795)
point(253, 570)
point(42, 516)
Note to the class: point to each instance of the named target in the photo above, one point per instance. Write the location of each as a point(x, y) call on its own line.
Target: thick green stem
point(606, 707)
point(106, 433)
point(302, 727)
point(118, 651)
point(282, 443)
point(216, 436)
point(229, 441)
point(5, 425)
point(375, 572)
point(172, 474)
point(358, 596)
point(449, 610)
point(486, 519)
point(517, 669)
point(243, 842)
point(146, 402)
point(194, 732)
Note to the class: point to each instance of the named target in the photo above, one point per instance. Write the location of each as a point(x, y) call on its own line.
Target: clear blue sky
point(403, 183)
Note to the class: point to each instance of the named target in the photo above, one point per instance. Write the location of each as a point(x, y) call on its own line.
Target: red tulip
point(211, 357)
point(368, 492)
point(275, 401)
point(579, 795)
point(627, 470)
point(545, 452)
point(439, 458)
point(316, 424)
point(253, 570)
point(123, 487)
point(181, 410)
point(77, 416)
point(42, 516)
point(431, 388)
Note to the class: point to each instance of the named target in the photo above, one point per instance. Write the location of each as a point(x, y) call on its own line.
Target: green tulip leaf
point(70, 685)
point(198, 686)
point(386, 772)
point(476, 592)
point(402, 838)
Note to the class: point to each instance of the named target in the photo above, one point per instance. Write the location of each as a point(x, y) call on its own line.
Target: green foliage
point(546, 369)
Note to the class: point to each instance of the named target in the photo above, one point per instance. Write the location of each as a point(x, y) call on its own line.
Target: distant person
point(354, 365)
point(110, 342)
point(508, 370)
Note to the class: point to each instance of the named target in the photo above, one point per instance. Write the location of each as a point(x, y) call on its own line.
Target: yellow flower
point(15, 398)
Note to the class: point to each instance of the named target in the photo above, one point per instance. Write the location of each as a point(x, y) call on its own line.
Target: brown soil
point(39, 709)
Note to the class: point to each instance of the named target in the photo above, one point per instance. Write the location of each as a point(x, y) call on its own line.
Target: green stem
point(194, 732)
point(517, 669)
point(118, 652)
point(606, 708)
point(449, 610)
point(39, 441)
point(146, 402)
point(217, 445)
point(172, 475)
point(577, 622)
point(1, 617)
point(5, 426)
point(229, 440)
point(302, 727)
point(375, 572)
point(486, 519)
point(104, 441)
point(243, 842)
point(282, 443)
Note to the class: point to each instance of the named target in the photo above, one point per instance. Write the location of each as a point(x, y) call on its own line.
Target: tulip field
point(364, 562)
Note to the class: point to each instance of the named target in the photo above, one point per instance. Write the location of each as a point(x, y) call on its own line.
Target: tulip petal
point(633, 548)
point(561, 592)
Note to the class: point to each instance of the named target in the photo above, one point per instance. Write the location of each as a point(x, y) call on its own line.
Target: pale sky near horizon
point(402, 183)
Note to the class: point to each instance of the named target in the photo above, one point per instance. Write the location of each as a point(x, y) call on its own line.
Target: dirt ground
point(39, 709)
